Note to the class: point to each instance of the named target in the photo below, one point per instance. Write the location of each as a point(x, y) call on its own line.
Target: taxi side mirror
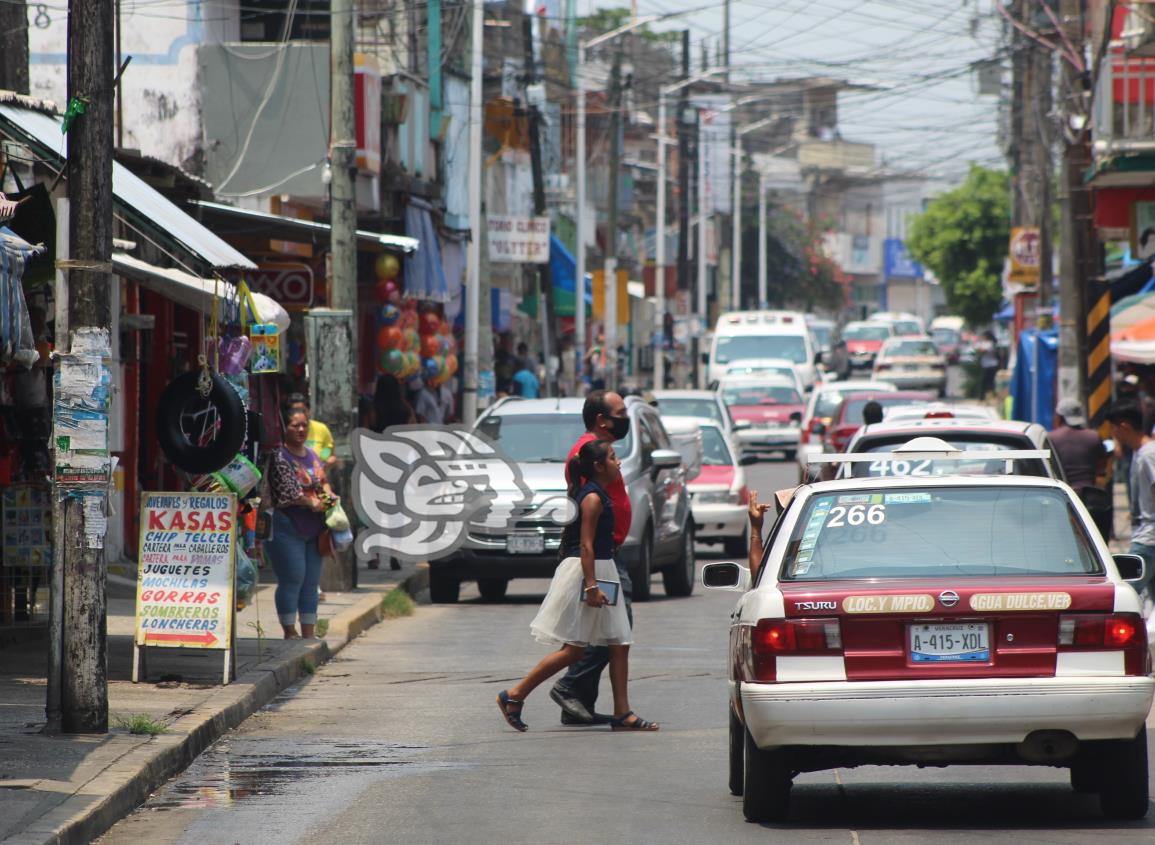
point(1131, 568)
point(742, 425)
point(729, 576)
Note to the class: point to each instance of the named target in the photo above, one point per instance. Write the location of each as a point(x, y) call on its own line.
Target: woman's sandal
point(621, 723)
point(504, 702)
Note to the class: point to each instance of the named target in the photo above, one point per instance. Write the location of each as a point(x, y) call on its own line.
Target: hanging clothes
point(17, 343)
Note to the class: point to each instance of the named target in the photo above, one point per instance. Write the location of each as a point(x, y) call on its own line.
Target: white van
point(743, 335)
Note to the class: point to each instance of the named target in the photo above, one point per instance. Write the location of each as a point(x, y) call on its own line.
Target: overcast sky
point(928, 115)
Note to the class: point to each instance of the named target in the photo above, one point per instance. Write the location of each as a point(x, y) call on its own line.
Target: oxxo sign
point(289, 284)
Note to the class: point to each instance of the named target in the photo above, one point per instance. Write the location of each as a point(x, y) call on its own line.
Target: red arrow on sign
point(200, 639)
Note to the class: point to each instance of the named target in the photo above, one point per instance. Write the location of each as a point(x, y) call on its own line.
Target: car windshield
point(884, 467)
point(701, 408)
point(715, 453)
point(938, 532)
point(866, 333)
point(853, 413)
point(911, 347)
point(821, 335)
point(540, 438)
point(827, 403)
point(759, 394)
point(945, 336)
point(907, 327)
point(744, 347)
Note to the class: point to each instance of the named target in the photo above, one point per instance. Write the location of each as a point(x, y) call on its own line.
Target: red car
point(773, 408)
point(848, 418)
point(863, 340)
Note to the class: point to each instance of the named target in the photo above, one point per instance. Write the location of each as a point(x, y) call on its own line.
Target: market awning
point(143, 206)
point(192, 291)
point(563, 269)
point(292, 229)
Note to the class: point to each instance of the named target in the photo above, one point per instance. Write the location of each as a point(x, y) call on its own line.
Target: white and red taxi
point(935, 621)
point(719, 498)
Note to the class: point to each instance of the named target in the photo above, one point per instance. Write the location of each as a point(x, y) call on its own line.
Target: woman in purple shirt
point(300, 495)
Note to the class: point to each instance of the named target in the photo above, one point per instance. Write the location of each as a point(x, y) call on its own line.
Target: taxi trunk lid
point(914, 629)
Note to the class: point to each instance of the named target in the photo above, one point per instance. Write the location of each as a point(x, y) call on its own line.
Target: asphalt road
point(399, 740)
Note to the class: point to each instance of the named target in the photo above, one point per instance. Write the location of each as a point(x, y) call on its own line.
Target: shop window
point(264, 21)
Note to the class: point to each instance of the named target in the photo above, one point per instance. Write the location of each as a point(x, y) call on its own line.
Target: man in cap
point(1079, 449)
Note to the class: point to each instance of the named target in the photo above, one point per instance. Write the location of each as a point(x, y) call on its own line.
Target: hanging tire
point(737, 752)
point(200, 434)
point(1123, 778)
point(492, 589)
point(678, 578)
point(642, 570)
point(766, 781)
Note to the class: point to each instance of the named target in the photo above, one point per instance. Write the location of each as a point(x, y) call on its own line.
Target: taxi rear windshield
point(938, 532)
point(887, 467)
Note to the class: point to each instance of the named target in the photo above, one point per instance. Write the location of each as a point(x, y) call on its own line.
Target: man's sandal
point(623, 723)
point(511, 711)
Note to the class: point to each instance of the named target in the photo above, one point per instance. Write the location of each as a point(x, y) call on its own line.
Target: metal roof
point(292, 225)
point(147, 207)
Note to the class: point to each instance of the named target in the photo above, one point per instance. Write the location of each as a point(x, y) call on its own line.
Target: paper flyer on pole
point(184, 595)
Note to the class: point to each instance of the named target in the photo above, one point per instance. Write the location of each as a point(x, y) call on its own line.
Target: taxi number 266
point(841, 516)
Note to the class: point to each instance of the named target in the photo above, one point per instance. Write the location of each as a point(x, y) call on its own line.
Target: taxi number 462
point(901, 468)
point(853, 515)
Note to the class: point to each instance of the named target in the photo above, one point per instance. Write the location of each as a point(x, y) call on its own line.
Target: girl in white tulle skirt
point(577, 612)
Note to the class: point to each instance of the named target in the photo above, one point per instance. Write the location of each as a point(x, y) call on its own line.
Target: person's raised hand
point(756, 511)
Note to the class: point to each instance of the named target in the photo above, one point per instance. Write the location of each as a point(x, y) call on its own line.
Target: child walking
point(576, 613)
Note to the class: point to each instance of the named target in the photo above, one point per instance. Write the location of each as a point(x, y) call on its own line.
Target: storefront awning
point(144, 207)
point(192, 291)
point(292, 229)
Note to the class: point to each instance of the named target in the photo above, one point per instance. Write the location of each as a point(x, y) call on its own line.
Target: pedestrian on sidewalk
point(606, 420)
point(1127, 428)
point(300, 494)
point(1083, 457)
point(319, 438)
point(389, 405)
point(577, 612)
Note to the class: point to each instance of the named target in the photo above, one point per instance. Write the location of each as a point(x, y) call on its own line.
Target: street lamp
point(611, 287)
point(660, 226)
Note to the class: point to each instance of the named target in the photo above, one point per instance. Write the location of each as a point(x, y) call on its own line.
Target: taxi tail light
point(743, 495)
point(773, 637)
point(940, 415)
point(1124, 632)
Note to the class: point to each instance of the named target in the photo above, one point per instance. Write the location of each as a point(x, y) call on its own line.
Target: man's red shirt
point(616, 491)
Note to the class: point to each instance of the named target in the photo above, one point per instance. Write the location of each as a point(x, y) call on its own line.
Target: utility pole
point(14, 46)
point(78, 675)
point(681, 378)
point(1040, 106)
point(473, 255)
point(704, 203)
point(544, 274)
point(611, 258)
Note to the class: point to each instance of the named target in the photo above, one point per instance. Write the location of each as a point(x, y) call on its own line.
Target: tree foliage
point(799, 275)
point(962, 237)
point(606, 20)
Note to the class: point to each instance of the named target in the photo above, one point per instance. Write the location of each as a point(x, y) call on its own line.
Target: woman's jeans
point(297, 563)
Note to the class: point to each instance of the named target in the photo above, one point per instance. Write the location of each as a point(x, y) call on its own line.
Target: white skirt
point(565, 618)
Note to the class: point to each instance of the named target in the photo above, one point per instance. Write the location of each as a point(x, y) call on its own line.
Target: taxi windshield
point(761, 395)
point(938, 532)
point(866, 333)
point(678, 407)
point(715, 452)
point(911, 347)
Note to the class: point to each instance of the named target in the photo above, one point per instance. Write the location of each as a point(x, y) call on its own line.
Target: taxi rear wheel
point(1123, 778)
point(766, 783)
point(737, 746)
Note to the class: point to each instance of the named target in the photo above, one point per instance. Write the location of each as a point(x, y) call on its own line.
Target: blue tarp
point(424, 274)
point(1033, 381)
point(563, 268)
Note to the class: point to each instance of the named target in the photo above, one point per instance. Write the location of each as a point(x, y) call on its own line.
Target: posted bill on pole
point(184, 595)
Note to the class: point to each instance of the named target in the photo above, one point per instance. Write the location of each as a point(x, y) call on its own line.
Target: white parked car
point(937, 621)
point(755, 367)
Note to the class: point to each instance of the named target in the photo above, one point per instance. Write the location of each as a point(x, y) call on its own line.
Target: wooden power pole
point(81, 673)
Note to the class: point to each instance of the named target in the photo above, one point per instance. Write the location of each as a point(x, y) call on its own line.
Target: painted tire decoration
point(200, 434)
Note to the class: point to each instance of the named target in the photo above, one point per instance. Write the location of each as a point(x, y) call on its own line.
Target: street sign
point(184, 594)
point(1025, 251)
point(289, 283)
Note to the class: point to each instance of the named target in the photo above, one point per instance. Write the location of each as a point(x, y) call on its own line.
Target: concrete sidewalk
point(70, 789)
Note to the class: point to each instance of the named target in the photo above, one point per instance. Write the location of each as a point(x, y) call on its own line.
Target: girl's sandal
point(623, 723)
point(511, 711)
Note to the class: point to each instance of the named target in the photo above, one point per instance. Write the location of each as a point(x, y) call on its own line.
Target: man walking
point(1127, 428)
point(1083, 457)
point(605, 418)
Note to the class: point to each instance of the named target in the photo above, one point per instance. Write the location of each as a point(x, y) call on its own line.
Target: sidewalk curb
point(132, 776)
